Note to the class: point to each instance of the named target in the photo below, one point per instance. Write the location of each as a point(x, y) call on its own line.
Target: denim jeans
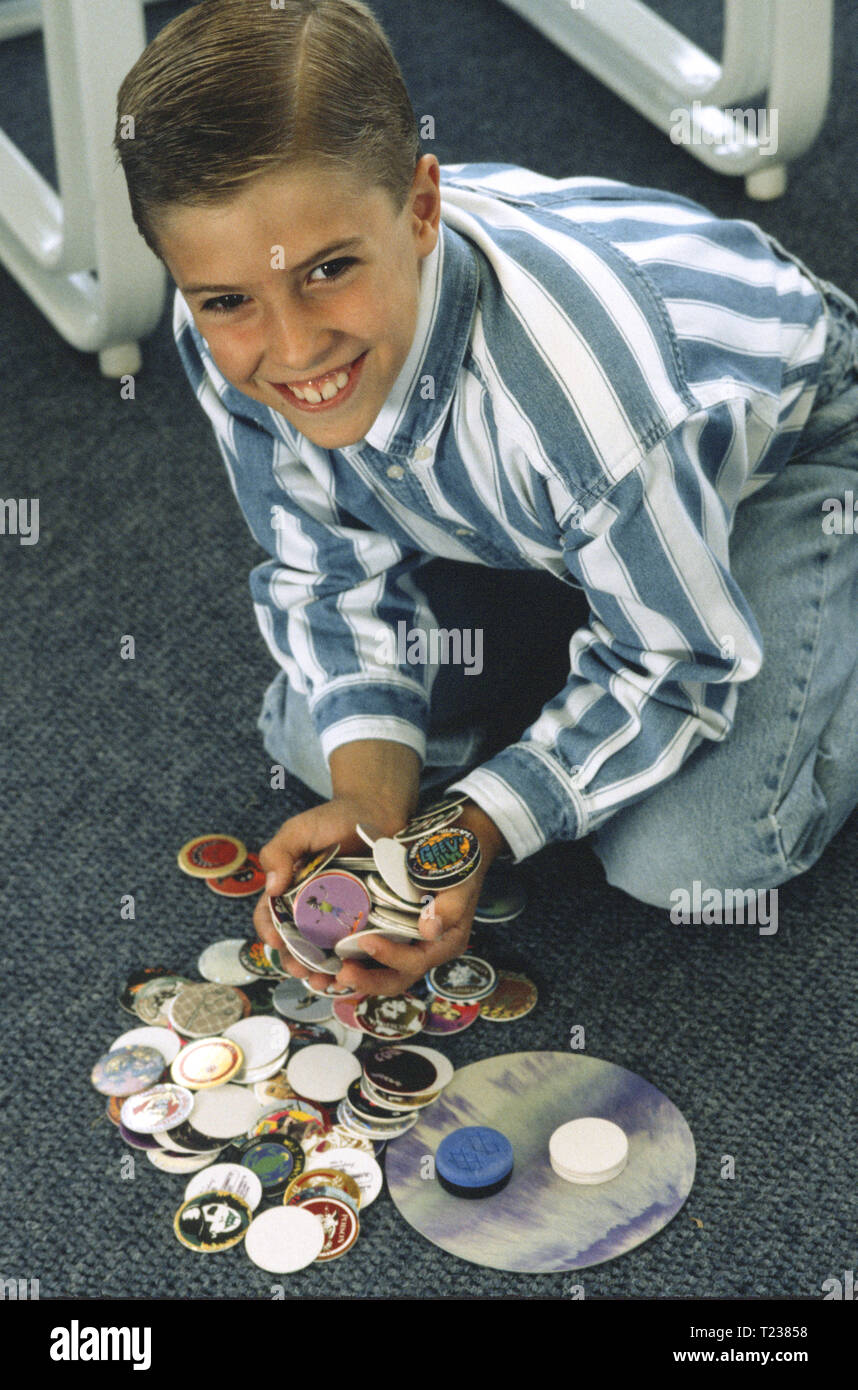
point(748, 813)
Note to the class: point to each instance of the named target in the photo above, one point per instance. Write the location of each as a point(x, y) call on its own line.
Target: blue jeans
point(745, 814)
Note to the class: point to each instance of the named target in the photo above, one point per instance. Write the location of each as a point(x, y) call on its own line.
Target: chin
point(330, 439)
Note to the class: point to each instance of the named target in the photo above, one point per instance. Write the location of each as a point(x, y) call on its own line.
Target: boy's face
point(307, 279)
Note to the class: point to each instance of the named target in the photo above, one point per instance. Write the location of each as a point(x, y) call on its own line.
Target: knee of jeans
point(654, 863)
point(668, 842)
point(801, 821)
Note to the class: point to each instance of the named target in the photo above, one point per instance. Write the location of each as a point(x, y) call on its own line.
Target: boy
point(575, 378)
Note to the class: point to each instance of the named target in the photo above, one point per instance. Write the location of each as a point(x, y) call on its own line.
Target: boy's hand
point(446, 926)
point(445, 933)
point(302, 836)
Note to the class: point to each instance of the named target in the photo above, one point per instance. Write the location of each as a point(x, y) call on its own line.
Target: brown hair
point(232, 89)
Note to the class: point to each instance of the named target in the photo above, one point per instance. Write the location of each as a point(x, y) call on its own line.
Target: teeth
point(331, 387)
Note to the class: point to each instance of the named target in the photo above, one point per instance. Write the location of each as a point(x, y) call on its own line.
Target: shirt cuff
point(531, 800)
point(370, 726)
point(349, 709)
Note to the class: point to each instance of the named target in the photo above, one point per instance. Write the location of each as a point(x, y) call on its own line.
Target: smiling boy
point(320, 334)
point(323, 339)
point(503, 374)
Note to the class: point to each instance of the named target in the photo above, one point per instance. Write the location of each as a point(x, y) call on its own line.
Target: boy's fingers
point(293, 967)
point(318, 979)
point(386, 982)
point(279, 864)
point(447, 911)
point(262, 922)
point(298, 837)
point(404, 963)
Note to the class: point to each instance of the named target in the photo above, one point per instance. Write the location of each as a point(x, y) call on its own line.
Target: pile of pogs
point(244, 1104)
point(247, 1081)
point(278, 1132)
point(338, 901)
point(396, 1084)
point(335, 903)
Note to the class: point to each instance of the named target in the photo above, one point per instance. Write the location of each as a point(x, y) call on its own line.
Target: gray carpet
point(110, 765)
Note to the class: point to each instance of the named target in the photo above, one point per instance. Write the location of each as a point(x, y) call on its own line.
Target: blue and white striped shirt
point(599, 375)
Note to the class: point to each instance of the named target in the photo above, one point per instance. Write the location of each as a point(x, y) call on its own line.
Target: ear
point(424, 202)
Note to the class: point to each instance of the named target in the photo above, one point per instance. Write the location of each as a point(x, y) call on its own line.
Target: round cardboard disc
point(177, 1163)
point(211, 856)
point(124, 1071)
point(444, 858)
point(589, 1149)
point(363, 1167)
point(152, 1000)
point(466, 978)
point(262, 1039)
point(284, 1239)
point(527, 1096)
point(330, 906)
point(224, 1113)
point(323, 1073)
point(390, 859)
point(220, 963)
point(161, 1107)
point(226, 1177)
point(164, 1039)
point(390, 1017)
point(204, 1010)
point(206, 1063)
point(514, 997)
point(244, 882)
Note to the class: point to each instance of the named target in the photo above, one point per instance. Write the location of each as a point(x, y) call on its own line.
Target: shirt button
point(464, 531)
point(396, 471)
point(422, 454)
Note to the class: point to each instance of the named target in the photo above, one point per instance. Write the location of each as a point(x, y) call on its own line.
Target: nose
point(296, 342)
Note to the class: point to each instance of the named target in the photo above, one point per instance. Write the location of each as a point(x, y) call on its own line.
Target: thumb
point(279, 865)
point(450, 907)
point(430, 923)
point(277, 881)
point(442, 913)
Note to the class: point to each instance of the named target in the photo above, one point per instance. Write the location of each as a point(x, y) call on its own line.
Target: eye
point(226, 304)
point(331, 270)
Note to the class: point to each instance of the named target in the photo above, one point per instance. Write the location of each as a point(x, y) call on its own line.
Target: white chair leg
point(782, 47)
point(122, 360)
point(78, 254)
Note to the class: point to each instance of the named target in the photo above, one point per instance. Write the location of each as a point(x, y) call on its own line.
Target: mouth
point(324, 392)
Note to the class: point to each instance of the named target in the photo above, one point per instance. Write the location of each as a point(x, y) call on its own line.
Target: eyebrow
point(318, 257)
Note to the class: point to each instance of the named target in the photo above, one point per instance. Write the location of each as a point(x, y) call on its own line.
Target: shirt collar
point(449, 280)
